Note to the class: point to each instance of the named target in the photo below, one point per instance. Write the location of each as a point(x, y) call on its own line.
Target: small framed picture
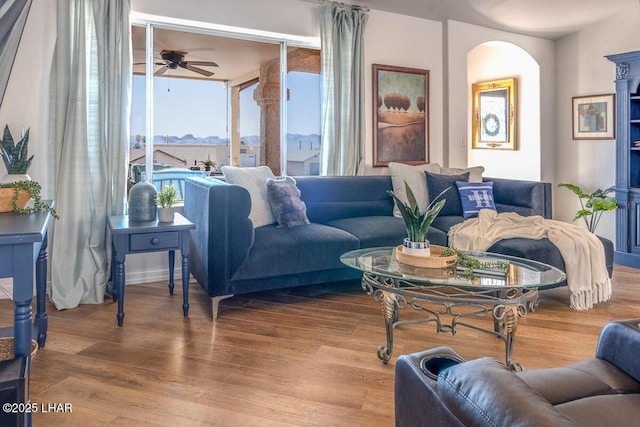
point(594, 117)
point(494, 122)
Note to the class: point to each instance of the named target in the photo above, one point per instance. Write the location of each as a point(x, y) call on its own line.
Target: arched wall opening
point(496, 60)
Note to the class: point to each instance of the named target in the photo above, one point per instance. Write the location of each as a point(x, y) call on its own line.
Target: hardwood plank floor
point(297, 357)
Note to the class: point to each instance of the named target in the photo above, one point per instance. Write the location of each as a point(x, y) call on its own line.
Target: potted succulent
point(167, 197)
point(592, 204)
point(15, 156)
point(208, 164)
point(417, 225)
point(17, 188)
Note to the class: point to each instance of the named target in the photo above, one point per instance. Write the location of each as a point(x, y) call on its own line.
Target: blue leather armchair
point(601, 391)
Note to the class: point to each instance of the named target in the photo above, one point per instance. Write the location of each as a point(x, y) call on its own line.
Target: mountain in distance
point(294, 141)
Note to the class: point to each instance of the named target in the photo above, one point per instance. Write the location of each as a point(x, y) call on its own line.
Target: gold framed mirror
point(494, 114)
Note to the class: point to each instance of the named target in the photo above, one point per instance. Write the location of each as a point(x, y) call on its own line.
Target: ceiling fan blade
point(207, 63)
point(161, 70)
point(198, 70)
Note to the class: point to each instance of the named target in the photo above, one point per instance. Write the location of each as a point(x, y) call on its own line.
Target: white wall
point(392, 39)
point(26, 98)
point(463, 38)
point(500, 60)
point(582, 69)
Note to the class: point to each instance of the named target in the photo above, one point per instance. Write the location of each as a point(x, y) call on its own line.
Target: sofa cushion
point(374, 231)
point(437, 183)
point(608, 410)
point(475, 196)
point(541, 250)
point(586, 378)
point(282, 251)
point(255, 181)
point(475, 172)
point(286, 206)
point(414, 177)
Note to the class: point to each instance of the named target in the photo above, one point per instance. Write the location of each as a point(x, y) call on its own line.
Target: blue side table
point(133, 237)
point(23, 246)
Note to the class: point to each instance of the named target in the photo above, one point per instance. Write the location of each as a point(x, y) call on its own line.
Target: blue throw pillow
point(436, 183)
point(475, 196)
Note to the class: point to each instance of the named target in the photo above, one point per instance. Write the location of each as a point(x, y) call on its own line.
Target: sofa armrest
point(524, 197)
point(223, 235)
point(484, 392)
point(416, 397)
point(619, 344)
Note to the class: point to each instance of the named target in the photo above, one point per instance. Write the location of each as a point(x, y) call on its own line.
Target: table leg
point(172, 260)
point(42, 319)
point(119, 285)
point(508, 315)
point(390, 312)
point(114, 288)
point(22, 328)
point(185, 284)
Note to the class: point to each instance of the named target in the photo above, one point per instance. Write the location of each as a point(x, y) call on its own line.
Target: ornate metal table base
point(506, 306)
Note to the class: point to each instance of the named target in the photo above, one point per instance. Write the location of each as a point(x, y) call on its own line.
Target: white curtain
point(89, 124)
point(341, 34)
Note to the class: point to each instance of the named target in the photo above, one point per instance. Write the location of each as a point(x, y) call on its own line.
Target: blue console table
point(23, 245)
point(131, 237)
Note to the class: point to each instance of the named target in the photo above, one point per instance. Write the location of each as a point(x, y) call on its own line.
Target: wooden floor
point(301, 357)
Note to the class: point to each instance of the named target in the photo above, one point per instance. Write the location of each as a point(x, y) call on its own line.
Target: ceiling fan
point(172, 59)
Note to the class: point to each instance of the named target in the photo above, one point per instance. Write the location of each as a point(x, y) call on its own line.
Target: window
point(216, 99)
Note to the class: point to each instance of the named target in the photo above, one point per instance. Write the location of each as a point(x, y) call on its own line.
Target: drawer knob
point(155, 241)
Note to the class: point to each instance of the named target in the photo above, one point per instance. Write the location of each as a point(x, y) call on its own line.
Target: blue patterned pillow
point(475, 196)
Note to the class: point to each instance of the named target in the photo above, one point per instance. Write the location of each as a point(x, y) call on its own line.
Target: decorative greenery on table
point(596, 203)
point(15, 156)
point(168, 196)
point(473, 264)
point(417, 225)
point(33, 188)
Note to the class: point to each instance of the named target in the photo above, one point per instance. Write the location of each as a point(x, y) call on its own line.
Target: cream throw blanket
point(583, 253)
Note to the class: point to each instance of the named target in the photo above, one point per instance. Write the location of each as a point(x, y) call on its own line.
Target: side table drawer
point(153, 241)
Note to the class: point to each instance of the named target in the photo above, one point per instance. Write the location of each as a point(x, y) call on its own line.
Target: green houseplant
point(208, 164)
point(592, 204)
point(167, 197)
point(15, 155)
point(417, 224)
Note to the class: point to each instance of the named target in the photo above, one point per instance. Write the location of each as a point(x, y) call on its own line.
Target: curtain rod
point(345, 5)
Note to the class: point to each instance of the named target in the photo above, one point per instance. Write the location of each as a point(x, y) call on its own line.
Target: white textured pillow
point(414, 176)
point(475, 172)
point(255, 181)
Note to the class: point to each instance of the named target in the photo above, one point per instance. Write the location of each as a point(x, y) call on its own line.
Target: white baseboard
point(147, 276)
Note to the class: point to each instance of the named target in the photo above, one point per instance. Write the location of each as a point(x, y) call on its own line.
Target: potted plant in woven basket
point(15, 197)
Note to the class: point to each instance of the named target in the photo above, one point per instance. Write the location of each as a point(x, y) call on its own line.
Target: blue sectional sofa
point(229, 256)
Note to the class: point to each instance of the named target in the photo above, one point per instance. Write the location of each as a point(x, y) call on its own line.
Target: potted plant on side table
point(167, 197)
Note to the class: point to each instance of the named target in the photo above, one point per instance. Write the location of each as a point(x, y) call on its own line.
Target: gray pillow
point(287, 207)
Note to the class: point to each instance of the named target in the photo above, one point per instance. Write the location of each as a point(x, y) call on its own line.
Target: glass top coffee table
point(443, 293)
